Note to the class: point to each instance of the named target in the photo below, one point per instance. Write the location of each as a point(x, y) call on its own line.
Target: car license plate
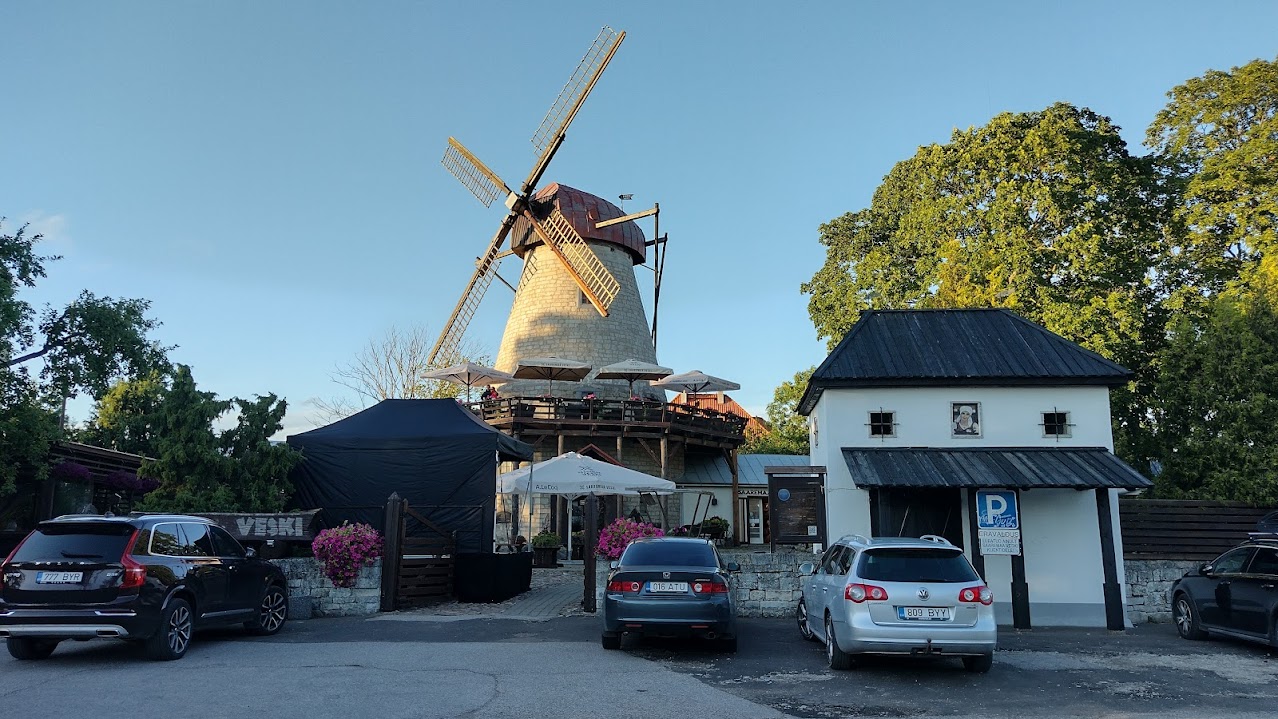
point(934, 614)
point(667, 587)
point(59, 577)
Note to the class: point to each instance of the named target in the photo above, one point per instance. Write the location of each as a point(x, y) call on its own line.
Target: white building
point(917, 413)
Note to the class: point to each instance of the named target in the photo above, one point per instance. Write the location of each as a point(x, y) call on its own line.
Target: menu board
point(797, 511)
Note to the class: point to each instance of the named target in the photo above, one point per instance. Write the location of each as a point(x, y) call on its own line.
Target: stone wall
point(768, 584)
point(1148, 587)
point(311, 594)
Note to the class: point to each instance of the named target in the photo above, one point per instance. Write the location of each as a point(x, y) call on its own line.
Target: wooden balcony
point(523, 416)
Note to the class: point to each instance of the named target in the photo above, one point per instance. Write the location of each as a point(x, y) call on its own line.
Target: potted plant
point(545, 549)
point(714, 527)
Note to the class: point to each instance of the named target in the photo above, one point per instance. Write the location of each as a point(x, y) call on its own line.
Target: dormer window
point(1056, 424)
point(882, 424)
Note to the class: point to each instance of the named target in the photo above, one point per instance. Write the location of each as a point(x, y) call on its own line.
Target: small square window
point(1056, 424)
point(882, 424)
point(582, 299)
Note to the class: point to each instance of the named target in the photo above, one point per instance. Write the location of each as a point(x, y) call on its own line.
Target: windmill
point(586, 294)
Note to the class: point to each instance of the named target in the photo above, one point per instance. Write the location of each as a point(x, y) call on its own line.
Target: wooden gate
point(418, 566)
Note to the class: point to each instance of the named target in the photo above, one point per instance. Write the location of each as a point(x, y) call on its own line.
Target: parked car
point(1235, 594)
point(669, 587)
point(147, 578)
point(901, 596)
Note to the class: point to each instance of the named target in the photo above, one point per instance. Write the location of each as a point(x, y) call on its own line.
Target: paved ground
point(539, 655)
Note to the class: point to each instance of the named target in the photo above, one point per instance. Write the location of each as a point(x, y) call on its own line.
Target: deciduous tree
point(787, 430)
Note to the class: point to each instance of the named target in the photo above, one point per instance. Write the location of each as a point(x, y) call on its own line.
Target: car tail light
point(975, 594)
point(134, 573)
point(14, 553)
point(616, 586)
point(860, 592)
point(710, 588)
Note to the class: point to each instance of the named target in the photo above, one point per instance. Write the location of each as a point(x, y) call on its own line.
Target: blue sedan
point(670, 587)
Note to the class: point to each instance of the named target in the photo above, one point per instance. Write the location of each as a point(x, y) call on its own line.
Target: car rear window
point(671, 554)
point(915, 565)
point(55, 544)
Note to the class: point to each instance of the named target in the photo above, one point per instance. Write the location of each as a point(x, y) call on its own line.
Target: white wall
point(1062, 542)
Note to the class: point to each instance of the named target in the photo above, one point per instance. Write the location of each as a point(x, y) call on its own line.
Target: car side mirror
point(734, 567)
point(614, 564)
point(1205, 569)
point(250, 552)
point(806, 568)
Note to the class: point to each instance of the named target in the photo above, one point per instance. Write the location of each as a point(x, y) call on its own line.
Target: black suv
point(147, 578)
point(1235, 595)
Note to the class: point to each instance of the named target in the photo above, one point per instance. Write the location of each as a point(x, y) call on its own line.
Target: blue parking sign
point(996, 509)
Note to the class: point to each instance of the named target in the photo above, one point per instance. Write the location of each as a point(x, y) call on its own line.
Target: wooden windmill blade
point(583, 265)
point(447, 349)
point(474, 175)
point(553, 127)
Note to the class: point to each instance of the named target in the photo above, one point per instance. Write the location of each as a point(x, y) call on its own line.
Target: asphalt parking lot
point(1146, 671)
point(419, 665)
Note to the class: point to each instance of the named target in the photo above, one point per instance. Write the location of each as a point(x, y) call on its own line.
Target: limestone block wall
point(768, 583)
point(549, 318)
point(1149, 587)
point(311, 594)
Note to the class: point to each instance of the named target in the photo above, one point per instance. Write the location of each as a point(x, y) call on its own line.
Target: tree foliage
point(1216, 403)
point(82, 347)
point(1218, 139)
point(125, 418)
point(200, 470)
point(787, 430)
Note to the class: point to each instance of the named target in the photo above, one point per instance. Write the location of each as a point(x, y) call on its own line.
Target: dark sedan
point(1235, 595)
point(670, 587)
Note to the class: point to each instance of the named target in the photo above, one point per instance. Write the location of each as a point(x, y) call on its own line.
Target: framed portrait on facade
point(965, 419)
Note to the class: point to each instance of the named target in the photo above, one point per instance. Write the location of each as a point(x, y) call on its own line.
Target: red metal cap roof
point(582, 211)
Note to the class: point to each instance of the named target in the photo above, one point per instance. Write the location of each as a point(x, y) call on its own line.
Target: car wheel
point(801, 615)
point(1186, 618)
point(978, 665)
point(835, 657)
point(31, 648)
point(610, 641)
point(173, 637)
point(271, 613)
point(729, 645)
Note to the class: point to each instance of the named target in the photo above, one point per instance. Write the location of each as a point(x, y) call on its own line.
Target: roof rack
point(1263, 536)
point(854, 538)
point(936, 539)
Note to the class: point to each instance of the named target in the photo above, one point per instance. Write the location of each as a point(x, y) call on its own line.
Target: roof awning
point(1003, 468)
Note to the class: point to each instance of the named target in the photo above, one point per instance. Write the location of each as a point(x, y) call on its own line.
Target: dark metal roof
point(960, 347)
point(1004, 467)
point(582, 210)
point(712, 469)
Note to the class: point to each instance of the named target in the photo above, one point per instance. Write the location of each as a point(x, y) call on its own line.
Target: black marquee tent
point(433, 452)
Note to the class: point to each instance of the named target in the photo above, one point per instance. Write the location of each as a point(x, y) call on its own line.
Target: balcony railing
point(597, 411)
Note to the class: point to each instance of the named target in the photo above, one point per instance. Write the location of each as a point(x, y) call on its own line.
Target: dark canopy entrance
point(433, 452)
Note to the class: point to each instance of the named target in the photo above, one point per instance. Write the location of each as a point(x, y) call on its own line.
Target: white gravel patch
point(1237, 669)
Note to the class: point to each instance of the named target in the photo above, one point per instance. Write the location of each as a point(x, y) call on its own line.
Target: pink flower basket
point(614, 538)
point(344, 550)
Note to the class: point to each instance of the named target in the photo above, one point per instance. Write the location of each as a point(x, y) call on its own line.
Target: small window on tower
point(1056, 424)
point(582, 298)
point(882, 424)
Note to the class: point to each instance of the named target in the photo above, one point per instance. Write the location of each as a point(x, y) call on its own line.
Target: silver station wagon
point(900, 596)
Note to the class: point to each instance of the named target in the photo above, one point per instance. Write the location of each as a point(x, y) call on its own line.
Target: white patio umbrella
point(695, 382)
point(573, 475)
point(469, 374)
point(551, 369)
point(632, 370)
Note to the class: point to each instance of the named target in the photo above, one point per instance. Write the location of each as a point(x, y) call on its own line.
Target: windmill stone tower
point(551, 316)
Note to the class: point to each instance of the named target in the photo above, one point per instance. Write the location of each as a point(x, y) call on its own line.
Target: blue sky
point(267, 173)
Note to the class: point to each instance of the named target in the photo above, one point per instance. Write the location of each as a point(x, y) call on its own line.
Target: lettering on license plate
point(59, 577)
point(668, 586)
point(935, 614)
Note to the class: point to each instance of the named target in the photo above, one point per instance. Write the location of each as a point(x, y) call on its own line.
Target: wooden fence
point(1184, 529)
